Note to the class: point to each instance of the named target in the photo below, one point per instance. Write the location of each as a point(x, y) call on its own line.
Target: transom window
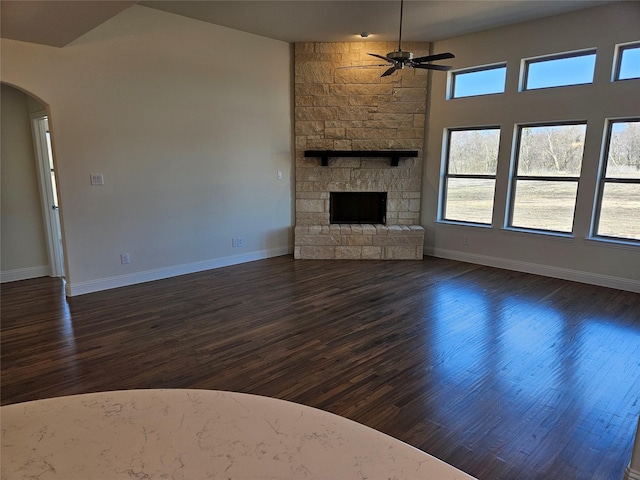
point(478, 81)
point(559, 70)
point(618, 203)
point(470, 178)
point(628, 62)
point(546, 175)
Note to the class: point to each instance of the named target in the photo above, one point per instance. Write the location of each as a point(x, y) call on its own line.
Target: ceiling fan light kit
point(399, 59)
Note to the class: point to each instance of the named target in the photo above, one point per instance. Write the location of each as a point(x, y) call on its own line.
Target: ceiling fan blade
point(389, 72)
point(429, 66)
point(431, 58)
point(380, 56)
point(373, 65)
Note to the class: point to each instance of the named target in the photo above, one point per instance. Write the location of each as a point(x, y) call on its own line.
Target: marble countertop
point(199, 434)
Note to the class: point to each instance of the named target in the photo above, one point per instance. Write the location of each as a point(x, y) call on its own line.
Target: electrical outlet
point(465, 240)
point(279, 174)
point(240, 242)
point(237, 242)
point(124, 258)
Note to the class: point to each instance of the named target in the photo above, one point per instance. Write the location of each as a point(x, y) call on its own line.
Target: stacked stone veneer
point(355, 109)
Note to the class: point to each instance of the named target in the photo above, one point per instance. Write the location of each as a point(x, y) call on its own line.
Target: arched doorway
point(32, 238)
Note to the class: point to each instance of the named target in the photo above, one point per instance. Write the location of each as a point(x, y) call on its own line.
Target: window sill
point(565, 237)
point(612, 243)
point(457, 223)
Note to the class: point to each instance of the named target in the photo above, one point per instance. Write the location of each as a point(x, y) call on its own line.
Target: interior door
point(48, 186)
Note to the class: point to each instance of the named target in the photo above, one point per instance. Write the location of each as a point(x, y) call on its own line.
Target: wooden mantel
point(394, 155)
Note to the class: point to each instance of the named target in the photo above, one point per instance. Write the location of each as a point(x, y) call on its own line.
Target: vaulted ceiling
point(58, 23)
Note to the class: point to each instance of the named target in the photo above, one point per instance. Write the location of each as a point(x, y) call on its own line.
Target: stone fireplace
point(357, 112)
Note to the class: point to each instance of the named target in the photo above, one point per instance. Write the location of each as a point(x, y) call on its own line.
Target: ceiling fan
point(399, 59)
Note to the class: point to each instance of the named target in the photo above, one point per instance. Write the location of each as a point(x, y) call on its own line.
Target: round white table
point(199, 434)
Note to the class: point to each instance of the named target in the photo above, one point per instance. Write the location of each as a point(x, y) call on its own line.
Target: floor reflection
point(461, 315)
point(528, 345)
point(556, 378)
point(66, 324)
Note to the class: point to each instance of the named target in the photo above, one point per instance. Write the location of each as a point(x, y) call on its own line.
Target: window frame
point(603, 180)
point(463, 71)
point(526, 62)
point(514, 177)
point(617, 63)
point(445, 176)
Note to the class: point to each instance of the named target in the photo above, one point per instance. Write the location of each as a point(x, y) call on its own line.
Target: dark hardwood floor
point(502, 374)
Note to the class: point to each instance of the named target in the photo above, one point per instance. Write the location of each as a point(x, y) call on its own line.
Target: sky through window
point(574, 70)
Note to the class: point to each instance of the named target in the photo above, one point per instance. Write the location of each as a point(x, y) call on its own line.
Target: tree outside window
point(545, 184)
point(470, 178)
point(618, 203)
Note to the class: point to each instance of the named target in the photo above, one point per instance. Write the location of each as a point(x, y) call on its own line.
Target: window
point(547, 170)
point(618, 207)
point(469, 181)
point(478, 81)
point(559, 70)
point(628, 62)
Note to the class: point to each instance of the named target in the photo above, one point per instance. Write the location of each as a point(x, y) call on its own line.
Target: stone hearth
point(356, 109)
point(365, 242)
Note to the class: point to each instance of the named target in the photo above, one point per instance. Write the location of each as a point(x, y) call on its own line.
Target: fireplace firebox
point(358, 207)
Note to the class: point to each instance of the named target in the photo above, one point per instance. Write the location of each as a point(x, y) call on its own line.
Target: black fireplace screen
point(358, 207)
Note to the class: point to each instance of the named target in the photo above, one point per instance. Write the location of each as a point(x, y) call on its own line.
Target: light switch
point(97, 179)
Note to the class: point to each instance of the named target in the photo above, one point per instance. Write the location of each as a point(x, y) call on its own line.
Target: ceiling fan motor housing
point(400, 56)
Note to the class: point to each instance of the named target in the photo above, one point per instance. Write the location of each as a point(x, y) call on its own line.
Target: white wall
point(575, 258)
point(188, 122)
point(23, 248)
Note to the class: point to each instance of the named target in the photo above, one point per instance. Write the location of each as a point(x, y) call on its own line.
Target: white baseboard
point(90, 286)
point(544, 270)
point(630, 474)
point(24, 273)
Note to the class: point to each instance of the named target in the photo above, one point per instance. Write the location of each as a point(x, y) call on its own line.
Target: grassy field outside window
point(469, 183)
point(545, 184)
point(618, 205)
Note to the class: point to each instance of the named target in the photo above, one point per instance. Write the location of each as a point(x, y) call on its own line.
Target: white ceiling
point(58, 23)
